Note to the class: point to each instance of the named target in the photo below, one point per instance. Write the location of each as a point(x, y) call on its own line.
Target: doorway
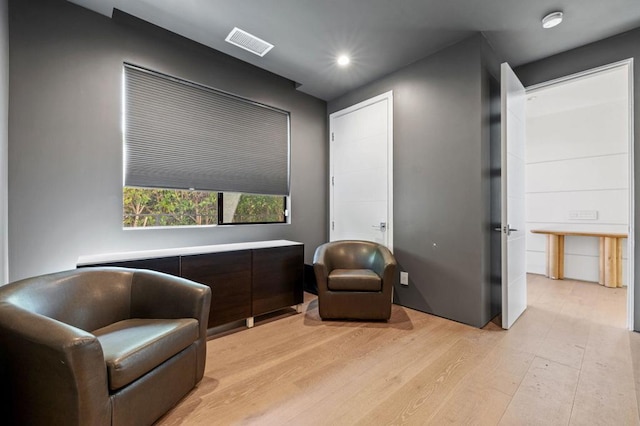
point(579, 170)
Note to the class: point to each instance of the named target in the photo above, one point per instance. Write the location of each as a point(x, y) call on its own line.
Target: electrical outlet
point(404, 278)
point(583, 214)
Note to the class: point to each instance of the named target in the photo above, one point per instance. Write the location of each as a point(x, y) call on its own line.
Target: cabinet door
point(229, 276)
point(168, 265)
point(277, 278)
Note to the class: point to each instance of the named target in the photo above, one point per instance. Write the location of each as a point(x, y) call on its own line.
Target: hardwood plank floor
point(567, 361)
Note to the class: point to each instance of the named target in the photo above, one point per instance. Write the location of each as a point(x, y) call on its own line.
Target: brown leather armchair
point(100, 346)
point(355, 280)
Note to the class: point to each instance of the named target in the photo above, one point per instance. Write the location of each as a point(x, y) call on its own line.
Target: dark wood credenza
point(246, 279)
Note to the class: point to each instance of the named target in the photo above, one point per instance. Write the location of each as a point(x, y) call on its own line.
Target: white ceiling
point(380, 35)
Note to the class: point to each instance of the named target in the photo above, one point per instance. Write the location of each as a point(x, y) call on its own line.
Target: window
point(194, 155)
point(250, 208)
point(145, 207)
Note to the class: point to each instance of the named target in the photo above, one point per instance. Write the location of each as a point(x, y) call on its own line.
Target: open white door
point(514, 275)
point(361, 187)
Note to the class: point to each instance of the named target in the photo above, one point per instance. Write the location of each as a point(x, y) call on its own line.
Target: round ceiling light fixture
point(551, 20)
point(343, 60)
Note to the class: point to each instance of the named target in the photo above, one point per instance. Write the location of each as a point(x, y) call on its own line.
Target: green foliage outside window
point(252, 208)
point(167, 207)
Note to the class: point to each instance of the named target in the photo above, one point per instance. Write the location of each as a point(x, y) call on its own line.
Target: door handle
point(506, 229)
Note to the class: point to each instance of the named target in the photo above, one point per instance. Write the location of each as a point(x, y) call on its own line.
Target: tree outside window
point(145, 207)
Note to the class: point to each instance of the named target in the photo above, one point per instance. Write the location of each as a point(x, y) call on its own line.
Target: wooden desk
point(610, 254)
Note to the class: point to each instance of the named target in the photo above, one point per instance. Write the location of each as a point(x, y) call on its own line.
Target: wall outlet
point(404, 278)
point(583, 214)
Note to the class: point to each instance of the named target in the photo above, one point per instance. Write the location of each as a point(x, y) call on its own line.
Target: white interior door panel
point(362, 171)
point(514, 276)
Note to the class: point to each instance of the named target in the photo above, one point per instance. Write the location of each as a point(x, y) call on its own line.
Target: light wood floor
point(567, 360)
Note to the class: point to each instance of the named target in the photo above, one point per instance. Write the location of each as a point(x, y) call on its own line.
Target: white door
point(514, 276)
point(361, 151)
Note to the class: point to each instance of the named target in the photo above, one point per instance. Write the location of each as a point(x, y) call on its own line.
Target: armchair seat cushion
point(354, 280)
point(133, 347)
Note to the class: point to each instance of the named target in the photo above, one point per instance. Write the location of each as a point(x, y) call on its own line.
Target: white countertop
point(124, 256)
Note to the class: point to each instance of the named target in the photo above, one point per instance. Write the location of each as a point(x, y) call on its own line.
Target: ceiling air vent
point(248, 42)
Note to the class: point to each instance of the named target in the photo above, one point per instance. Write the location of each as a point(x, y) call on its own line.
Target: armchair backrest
point(355, 254)
point(83, 298)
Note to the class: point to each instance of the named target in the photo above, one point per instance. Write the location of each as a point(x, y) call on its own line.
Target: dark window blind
point(182, 135)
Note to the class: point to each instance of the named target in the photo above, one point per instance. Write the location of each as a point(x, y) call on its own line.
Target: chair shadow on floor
point(399, 319)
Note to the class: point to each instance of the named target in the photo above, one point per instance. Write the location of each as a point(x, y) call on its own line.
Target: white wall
point(4, 135)
point(578, 161)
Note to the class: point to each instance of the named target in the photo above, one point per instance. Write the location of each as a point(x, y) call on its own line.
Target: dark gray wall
point(491, 296)
point(441, 188)
point(65, 141)
point(4, 135)
point(623, 46)
point(495, 192)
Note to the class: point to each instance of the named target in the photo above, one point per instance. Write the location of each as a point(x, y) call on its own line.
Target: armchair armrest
point(51, 365)
point(158, 295)
point(321, 267)
point(385, 266)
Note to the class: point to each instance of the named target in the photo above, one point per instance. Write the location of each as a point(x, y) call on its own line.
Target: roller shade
point(182, 135)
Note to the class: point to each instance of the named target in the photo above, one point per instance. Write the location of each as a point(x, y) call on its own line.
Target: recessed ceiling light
point(343, 60)
point(552, 19)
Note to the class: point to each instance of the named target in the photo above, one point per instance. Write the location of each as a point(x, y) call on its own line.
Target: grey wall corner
point(491, 59)
point(490, 141)
point(4, 138)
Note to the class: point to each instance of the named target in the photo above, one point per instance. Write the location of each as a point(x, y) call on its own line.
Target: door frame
point(631, 227)
point(388, 96)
